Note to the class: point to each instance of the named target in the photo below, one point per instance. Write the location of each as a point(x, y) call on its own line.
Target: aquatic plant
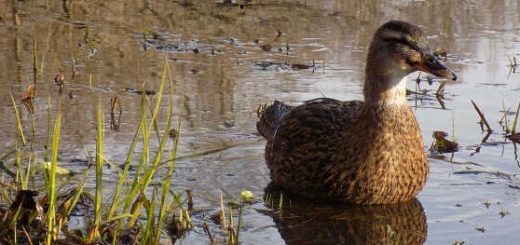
point(137, 213)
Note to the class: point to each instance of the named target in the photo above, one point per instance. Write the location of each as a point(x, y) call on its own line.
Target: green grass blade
point(140, 185)
point(51, 185)
point(99, 167)
point(77, 194)
point(18, 120)
point(171, 167)
point(144, 159)
point(513, 130)
point(124, 174)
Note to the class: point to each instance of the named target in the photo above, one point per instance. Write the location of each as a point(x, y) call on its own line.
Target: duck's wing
point(319, 115)
point(302, 141)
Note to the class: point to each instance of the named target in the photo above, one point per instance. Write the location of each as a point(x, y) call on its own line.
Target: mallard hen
point(357, 152)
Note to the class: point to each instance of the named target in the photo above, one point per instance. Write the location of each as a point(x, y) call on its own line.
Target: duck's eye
point(432, 60)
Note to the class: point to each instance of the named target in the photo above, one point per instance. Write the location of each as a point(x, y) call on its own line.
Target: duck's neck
point(386, 93)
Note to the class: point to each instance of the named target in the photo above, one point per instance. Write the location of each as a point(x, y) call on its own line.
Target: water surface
point(229, 58)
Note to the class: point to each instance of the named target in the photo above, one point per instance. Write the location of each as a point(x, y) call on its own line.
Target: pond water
point(228, 58)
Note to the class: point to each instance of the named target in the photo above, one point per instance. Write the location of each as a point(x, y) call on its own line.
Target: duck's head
point(397, 49)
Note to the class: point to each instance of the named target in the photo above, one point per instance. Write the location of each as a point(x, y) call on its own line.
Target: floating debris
point(29, 92)
point(515, 137)
point(171, 43)
point(278, 34)
point(266, 47)
point(59, 170)
point(411, 92)
point(487, 204)
point(277, 66)
point(173, 134)
point(443, 145)
point(495, 173)
point(513, 65)
point(80, 161)
point(216, 218)
point(23, 211)
point(503, 213)
point(59, 79)
point(229, 123)
point(208, 232)
point(459, 243)
point(247, 196)
point(139, 92)
point(481, 229)
point(180, 224)
point(301, 66)
point(190, 199)
point(115, 107)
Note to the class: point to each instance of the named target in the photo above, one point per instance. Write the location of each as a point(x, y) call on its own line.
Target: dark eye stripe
point(397, 40)
point(404, 41)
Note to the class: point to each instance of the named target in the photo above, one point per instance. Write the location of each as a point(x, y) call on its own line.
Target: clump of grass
point(136, 212)
point(226, 218)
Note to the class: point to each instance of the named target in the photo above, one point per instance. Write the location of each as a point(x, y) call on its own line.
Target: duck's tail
point(270, 118)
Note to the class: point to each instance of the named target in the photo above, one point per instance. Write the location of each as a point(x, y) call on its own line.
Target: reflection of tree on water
point(301, 222)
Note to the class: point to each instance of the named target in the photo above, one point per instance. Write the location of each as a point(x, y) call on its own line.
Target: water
point(216, 53)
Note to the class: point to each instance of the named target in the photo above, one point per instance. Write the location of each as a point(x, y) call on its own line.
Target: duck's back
point(302, 141)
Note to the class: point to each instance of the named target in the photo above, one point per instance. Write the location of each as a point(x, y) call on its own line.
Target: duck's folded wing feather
point(314, 117)
point(302, 140)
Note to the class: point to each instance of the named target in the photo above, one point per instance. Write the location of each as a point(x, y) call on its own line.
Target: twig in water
point(206, 229)
point(482, 118)
point(477, 149)
point(512, 65)
point(440, 90)
point(115, 106)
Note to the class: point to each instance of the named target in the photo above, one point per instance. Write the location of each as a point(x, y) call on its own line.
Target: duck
point(357, 152)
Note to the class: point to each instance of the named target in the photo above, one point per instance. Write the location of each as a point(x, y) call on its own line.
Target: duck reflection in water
point(301, 222)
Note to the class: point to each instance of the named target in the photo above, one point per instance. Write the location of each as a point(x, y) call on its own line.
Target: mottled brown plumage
point(358, 152)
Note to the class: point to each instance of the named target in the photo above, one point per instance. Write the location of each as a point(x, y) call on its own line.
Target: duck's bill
point(432, 65)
